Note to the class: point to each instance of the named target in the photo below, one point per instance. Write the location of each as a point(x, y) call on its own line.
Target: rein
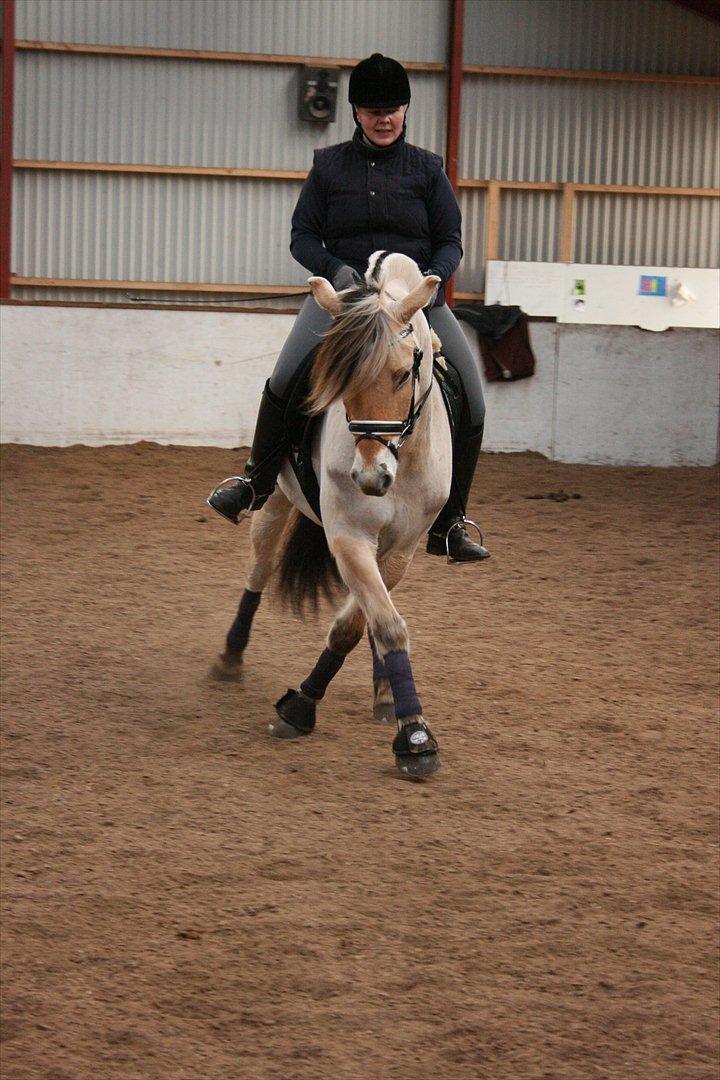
point(374, 430)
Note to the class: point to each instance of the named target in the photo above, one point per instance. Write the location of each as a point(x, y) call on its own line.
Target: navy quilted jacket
point(358, 199)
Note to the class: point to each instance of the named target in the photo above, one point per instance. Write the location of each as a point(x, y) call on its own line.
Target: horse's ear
point(404, 310)
point(325, 295)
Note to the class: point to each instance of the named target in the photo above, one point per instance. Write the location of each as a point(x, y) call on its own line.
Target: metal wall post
point(455, 60)
point(6, 146)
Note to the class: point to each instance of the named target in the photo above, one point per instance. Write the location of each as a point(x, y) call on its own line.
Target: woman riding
point(371, 193)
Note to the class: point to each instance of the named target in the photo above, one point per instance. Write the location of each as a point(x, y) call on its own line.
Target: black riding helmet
point(379, 82)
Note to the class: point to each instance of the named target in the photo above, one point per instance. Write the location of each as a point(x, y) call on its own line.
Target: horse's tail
point(383, 265)
point(306, 568)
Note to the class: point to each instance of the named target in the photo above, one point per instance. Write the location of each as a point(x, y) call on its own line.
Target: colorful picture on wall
point(652, 285)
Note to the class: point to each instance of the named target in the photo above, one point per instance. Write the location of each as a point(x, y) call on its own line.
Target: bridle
point(375, 429)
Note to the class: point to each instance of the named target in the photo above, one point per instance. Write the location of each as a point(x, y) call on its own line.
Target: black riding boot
point(448, 535)
point(270, 444)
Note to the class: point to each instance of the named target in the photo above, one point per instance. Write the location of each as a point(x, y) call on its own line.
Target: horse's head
point(370, 359)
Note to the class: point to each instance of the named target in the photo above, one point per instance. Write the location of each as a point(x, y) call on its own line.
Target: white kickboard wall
point(651, 297)
point(601, 394)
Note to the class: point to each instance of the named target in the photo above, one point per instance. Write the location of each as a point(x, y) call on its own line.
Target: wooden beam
point(158, 286)
point(567, 223)
point(520, 185)
point(88, 49)
point(301, 174)
point(492, 221)
point(173, 286)
point(162, 170)
point(639, 189)
point(598, 76)
point(148, 304)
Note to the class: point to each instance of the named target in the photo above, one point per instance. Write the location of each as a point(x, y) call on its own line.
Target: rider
point(374, 192)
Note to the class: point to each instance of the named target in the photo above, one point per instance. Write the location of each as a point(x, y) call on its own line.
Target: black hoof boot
point(296, 716)
point(232, 501)
point(456, 545)
point(416, 750)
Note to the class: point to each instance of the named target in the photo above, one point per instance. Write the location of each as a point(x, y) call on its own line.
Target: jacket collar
point(380, 152)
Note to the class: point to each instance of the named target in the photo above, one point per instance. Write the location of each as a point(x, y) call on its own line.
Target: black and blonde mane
point(354, 350)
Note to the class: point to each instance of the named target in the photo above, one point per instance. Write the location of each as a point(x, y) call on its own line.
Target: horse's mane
point(355, 348)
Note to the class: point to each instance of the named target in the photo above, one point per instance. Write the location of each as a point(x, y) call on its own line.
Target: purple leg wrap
point(379, 671)
point(239, 632)
point(321, 675)
point(402, 684)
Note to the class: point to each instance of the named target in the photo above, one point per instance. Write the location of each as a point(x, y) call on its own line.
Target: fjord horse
point(383, 458)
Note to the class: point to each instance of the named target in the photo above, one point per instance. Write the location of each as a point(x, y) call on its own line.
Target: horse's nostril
point(386, 481)
point(354, 475)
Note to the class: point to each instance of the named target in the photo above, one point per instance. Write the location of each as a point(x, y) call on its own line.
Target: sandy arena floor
point(185, 897)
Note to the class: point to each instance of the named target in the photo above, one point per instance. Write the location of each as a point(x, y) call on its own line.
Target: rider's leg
point(249, 492)
point(448, 534)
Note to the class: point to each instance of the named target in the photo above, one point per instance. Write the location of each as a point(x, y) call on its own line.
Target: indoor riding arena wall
point(600, 395)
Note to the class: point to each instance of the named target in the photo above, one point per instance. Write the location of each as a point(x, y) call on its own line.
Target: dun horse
point(383, 458)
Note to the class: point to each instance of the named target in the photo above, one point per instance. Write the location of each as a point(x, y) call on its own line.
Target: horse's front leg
point(392, 571)
point(414, 746)
point(265, 533)
point(296, 710)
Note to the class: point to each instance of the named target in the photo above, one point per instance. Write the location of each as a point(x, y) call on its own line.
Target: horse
point(382, 453)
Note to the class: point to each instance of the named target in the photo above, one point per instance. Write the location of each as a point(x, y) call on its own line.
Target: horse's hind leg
point(296, 710)
point(265, 533)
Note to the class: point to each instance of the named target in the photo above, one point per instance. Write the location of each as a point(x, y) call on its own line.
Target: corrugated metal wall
point(591, 35)
point(203, 113)
point(179, 112)
point(409, 29)
point(576, 130)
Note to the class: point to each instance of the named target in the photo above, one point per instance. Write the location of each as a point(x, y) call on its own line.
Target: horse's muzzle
point(375, 479)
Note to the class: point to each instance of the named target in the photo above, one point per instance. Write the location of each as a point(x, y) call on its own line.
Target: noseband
point(375, 429)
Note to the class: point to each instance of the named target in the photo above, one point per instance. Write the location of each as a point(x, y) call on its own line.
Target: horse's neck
point(397, 288)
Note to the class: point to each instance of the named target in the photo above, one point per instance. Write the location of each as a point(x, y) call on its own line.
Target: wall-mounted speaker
point(318, 94)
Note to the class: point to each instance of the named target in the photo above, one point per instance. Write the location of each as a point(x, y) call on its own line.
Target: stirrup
point(461, 525)
point(220, 487)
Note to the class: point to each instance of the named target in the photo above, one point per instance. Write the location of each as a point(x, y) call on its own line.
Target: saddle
point(301, 429)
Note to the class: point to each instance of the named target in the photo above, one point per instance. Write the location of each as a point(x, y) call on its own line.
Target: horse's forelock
point(354, 350)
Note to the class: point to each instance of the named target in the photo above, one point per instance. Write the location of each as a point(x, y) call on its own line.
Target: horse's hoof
point(282, 730)
point(418, 766)
point(296, 716)
point(416, 749)
point(227, 668)
point(384, 712)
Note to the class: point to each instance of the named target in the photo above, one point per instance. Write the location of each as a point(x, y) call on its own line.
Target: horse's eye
point(402, 380)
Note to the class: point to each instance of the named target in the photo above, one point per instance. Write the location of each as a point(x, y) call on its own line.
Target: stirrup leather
point(461, 525)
